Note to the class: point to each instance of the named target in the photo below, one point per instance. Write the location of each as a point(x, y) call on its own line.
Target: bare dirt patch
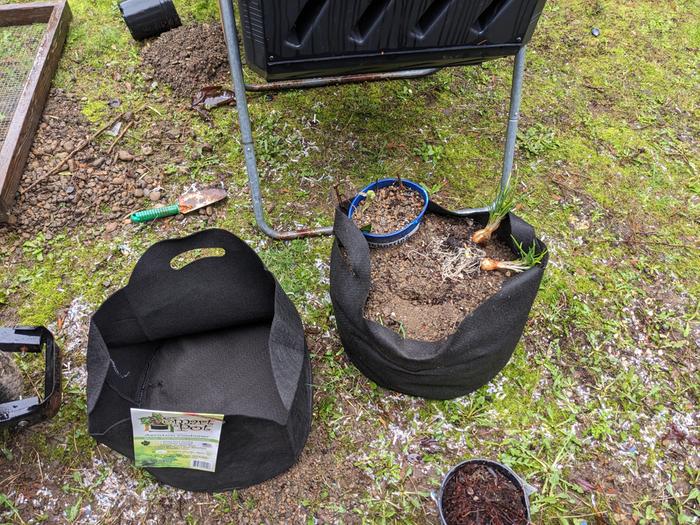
point(97, 188)
point(418, 288)
point(189, 58)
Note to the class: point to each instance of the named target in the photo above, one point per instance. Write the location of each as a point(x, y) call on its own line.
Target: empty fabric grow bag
point(218, 336)
point(454, 366)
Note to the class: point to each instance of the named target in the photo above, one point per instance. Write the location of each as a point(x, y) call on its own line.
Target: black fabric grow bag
point(217, 336)
point(449, 368)
point(286, 39)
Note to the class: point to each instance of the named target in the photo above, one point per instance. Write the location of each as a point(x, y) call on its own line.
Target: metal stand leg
point(516, 94)
point(234, 54)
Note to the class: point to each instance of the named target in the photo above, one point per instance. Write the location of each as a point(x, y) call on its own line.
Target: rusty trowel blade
point(190, 202)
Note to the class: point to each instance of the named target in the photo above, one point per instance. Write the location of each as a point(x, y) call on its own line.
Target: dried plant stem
point(119, 137)
point(77, 149)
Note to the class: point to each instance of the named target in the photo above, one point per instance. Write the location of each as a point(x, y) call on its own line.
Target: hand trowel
point(187, 203)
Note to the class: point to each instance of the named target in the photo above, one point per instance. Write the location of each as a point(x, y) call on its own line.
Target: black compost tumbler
point(149, 18)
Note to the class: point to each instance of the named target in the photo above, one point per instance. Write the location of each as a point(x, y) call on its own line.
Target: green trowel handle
point(155, 213)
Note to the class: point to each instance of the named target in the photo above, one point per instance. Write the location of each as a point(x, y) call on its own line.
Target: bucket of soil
point(483, 491)
point(423, 318)
point(389, 211)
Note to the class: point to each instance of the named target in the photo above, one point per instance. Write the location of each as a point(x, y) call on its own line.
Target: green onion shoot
point(502, 206)
point(528, 259)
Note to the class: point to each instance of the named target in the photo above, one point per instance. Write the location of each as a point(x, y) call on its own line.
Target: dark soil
point(481, 495)
point(391, 210)
point(189, 58)
point(416, 287)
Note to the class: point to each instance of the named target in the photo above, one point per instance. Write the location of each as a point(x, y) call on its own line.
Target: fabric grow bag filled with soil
point(217, 336)
point(459, 362)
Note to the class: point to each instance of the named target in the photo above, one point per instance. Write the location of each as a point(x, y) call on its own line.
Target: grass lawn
point(598, 408)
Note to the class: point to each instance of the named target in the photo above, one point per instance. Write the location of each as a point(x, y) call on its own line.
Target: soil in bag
point(424, 288)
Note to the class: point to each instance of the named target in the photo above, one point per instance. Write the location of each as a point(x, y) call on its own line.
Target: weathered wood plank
point(20, 136)
point(23, 14)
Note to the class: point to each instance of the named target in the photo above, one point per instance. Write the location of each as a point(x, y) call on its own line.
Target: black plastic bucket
point(525, 489)
point(149, 18)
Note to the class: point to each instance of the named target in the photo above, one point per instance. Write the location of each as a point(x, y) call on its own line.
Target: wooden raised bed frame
point(20, 134)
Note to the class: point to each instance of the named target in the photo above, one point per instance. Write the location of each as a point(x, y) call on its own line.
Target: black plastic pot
point(149, 18)
point(525, 489)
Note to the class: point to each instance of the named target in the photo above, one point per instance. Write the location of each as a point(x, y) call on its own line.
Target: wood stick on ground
point(119, 137)
point(77, 149)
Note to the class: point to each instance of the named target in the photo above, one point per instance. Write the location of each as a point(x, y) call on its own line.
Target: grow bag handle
point(157, 259)
point(348, 235)
point(171, 302)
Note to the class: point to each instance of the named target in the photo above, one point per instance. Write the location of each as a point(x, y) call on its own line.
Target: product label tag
point(176, 439)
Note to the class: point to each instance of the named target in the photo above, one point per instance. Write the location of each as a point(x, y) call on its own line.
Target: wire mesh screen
point(18, 49)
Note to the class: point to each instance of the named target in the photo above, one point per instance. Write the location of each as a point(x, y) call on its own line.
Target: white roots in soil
point(458, 263)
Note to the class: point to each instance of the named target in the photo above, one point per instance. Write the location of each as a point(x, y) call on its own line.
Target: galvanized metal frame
point(248, 143)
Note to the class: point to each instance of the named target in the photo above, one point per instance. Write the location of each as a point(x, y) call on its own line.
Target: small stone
point(70, 189)
point(147, 150)
point(138, 193)
point(154, 196)
point(118, 181)
point(125, 155)
point(97, 163)
point(595, 32)
point(110, 227)
point(68, 146)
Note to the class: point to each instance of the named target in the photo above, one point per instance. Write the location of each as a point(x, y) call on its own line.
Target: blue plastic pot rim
point(388, 239)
